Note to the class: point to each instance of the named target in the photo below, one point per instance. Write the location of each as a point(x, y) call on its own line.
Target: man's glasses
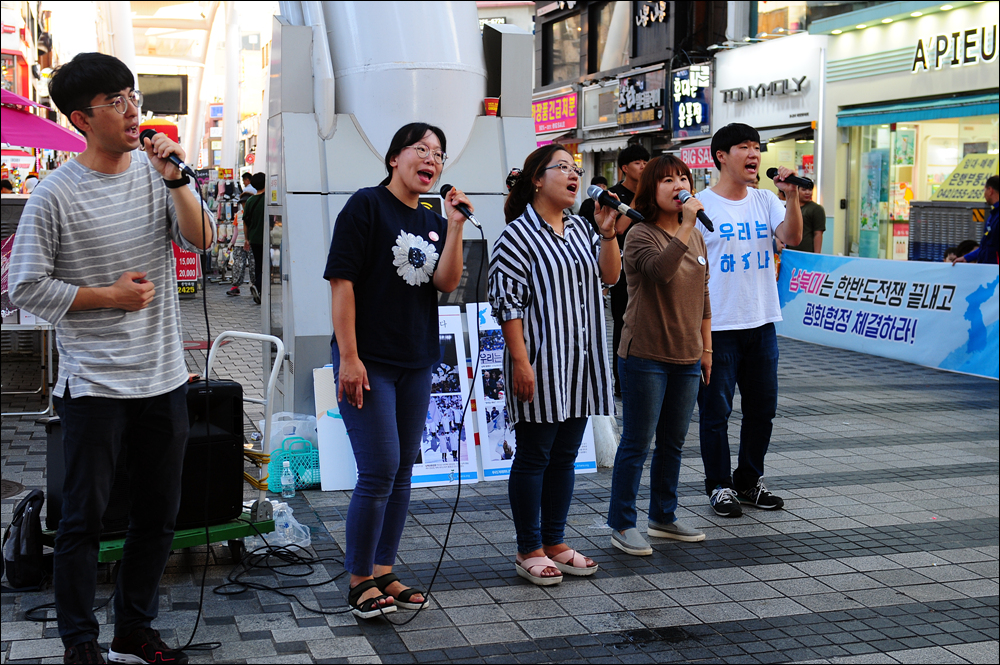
point(422, 152)
point(121, 102)
point(566, 169)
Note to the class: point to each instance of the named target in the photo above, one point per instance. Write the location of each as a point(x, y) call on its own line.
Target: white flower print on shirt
point(414, 258)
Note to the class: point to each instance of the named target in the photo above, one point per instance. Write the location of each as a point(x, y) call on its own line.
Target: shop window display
point(892, 165)
point(562, 50)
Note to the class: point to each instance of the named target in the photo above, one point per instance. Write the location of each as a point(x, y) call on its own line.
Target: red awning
point(20, 128)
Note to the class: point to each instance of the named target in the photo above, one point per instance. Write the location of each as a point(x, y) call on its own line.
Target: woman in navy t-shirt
point(388, 259)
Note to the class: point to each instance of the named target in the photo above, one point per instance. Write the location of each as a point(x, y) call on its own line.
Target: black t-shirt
point(390, 251)
point(625, 195)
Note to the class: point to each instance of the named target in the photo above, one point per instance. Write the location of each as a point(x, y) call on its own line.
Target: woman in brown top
point(666, 348)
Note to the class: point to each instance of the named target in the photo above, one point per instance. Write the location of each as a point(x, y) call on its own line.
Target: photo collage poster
point(496, 438)
point(444, 444)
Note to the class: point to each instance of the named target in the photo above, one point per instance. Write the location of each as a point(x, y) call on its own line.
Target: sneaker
point(675, 530)
point(255, 293)
point(144, 646)
point(725, 503)
point(631, 542)
point(85, 652)
point(235, 291)
point(760, 497)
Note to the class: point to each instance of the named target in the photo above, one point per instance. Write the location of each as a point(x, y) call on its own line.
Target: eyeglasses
point(566, 169)
point(422, 152)
point(120, 103)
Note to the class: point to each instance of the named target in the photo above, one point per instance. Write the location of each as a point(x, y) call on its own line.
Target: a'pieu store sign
point(770, 84)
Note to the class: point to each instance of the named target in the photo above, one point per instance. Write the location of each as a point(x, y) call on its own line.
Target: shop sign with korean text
point(642, 100)
point(555, 114)
point(968, 180)
point(932, 314)
point(691, 95)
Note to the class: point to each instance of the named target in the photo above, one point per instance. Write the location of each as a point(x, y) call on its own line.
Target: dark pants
point(657, 400)
point(258, 257)
point(152, 433)
point(748, 359)
point(619, 302)
point(385, 435)
point(541, 480)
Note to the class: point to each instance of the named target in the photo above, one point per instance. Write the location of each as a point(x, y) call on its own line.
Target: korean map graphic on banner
point(932, 314)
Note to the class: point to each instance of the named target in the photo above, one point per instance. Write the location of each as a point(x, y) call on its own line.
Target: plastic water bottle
point(287, 481)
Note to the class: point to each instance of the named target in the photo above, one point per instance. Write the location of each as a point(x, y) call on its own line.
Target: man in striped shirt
point(93, 256)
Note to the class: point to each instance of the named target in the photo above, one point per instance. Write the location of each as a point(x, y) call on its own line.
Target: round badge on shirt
point(433, 236)
point(701, 260)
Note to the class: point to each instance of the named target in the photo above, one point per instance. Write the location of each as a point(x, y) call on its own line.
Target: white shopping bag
point(337, 468)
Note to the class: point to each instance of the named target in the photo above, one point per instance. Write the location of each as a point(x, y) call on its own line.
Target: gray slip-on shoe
point(676, 531)
point(631, 542)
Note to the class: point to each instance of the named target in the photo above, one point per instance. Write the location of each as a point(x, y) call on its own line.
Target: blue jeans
point(541, 480)
point(152, 433)
point(748, 359)
point(657, 399)
point(385, 436)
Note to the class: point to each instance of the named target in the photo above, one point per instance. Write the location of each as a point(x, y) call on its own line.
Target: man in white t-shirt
point(744, 309)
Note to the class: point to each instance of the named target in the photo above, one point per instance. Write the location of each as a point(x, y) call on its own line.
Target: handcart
point(257, 518)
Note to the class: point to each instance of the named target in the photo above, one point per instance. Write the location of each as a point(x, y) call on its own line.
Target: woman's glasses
point(422, 152)
point(566, 169)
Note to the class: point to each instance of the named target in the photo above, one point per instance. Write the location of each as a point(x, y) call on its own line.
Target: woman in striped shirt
point(545, 288)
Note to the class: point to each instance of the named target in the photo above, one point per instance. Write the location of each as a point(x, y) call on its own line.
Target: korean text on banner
point(932, 314)
point(967, 181)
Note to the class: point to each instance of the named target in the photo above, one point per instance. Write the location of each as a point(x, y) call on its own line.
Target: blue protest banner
point(931, 314)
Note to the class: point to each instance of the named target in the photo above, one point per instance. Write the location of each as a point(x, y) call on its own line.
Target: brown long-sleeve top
point(667, 296)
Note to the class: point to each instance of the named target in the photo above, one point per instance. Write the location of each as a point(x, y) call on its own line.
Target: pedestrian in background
point(545, 289)
point(253, 217)
point(666, 350)
point(989, 247)
point(813, 221)
point(587, 207)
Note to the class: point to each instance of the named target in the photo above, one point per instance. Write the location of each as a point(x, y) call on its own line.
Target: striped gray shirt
point(81, 228)
point(553, 285)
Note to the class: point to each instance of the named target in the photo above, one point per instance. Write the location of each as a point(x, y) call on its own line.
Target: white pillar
point(231, 95)
point(122, 38)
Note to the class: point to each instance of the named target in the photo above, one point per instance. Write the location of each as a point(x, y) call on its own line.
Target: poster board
point(444, 446)
point(497, 443)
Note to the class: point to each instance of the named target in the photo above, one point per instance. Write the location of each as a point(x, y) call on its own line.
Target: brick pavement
point(887, 550)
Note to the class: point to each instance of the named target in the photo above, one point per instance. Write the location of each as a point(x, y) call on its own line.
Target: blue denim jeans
point(657, 400)
point(748, 359)
point(541, 480)
point(152, 433)
point(385, 436)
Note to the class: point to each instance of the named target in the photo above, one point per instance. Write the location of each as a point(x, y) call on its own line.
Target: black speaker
point(212, 480)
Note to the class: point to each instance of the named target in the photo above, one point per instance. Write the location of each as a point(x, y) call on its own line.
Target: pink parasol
point(27, 130)
point(8, 97)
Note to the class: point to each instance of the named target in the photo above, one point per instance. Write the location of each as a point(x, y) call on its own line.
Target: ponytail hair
point(523, 191)
point(407, 135)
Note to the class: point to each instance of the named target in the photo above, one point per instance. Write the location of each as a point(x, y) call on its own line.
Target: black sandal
point(403, 600)
point(368, 609)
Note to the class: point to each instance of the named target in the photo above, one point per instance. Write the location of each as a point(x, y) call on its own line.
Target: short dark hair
point(631, 154)
point(965, 247)
point(6, 184)
point(258, 181)
point(599, 180)
point(408, 135)
point(732, 134)
point(247, 175)
point(993, 182)
point(811, 184)
point(74, 84)
point(645, 196)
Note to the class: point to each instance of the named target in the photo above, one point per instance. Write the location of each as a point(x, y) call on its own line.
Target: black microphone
point(461, 207)
point(173, 159)
point(605, 199)
point(772, 173)
point(702, 217)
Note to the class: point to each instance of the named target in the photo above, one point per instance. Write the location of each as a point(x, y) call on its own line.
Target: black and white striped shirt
point(553, 285)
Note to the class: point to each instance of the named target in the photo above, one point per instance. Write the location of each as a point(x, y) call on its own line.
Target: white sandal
point(528, 568)
point(567, 560)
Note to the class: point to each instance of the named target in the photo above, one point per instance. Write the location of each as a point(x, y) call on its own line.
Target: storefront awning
point(772, 135)
point(604, 145)
point(913, 111)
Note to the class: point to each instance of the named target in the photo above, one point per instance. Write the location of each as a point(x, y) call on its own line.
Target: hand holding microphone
point(459, 206)
point(605, 199)
point(685, 196)
point(161, 149)
point(788, 176)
